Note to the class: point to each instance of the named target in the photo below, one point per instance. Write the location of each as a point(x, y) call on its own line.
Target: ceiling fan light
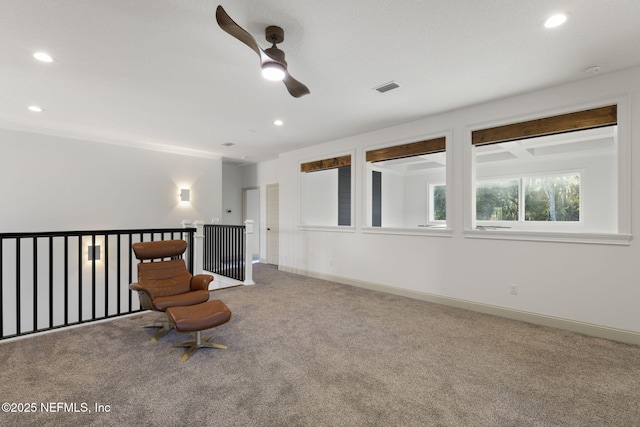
point(43, 56)
point(555, 20)
point(273, 71)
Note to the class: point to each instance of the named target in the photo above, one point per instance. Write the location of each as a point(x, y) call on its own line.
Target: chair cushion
point(159, 249)
point(199, 317)
point(164, 278)
point(185, 299)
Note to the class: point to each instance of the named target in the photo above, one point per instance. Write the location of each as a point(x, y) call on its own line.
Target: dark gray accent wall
point(344, 195)
point(376, 199)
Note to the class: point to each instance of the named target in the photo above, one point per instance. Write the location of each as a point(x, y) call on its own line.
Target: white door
point(273, 245)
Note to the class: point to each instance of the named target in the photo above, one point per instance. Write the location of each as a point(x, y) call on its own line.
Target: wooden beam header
point(580, 120)
point(411, 149)
point(318, 165)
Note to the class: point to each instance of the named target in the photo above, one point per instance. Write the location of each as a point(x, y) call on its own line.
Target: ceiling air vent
point(387, 87)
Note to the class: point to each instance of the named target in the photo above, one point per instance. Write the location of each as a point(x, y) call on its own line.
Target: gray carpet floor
point(308, 352)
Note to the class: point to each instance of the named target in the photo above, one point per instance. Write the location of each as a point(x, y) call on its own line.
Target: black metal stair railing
point(224, 250)
point(50, 280)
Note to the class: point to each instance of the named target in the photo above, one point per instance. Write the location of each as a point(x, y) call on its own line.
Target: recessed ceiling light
point(278, 122)
point(35, 109)
point(556, 20)
point(43, 56)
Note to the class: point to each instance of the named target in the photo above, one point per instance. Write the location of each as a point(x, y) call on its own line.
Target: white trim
point(78, 325)
point(624, 164)
point(221, 282)
point(601, 331)
point(548, 236)
point(338, 228)
point(421, 231)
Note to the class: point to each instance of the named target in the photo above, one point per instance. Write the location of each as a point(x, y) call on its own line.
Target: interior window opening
point(563, 180)
point(406, 185)
point(325, 192)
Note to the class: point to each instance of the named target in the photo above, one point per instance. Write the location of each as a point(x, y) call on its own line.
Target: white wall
point(260, 175)
point(231, 195)
point(51, 183)
point(253, 213)
point(319, 198)
point(585, 283)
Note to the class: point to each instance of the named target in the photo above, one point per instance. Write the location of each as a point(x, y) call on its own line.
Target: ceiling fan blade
point(229, 25)
point(295, 88)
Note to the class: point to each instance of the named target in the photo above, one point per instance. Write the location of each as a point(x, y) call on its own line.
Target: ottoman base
point(196, 343)
point(197, 318)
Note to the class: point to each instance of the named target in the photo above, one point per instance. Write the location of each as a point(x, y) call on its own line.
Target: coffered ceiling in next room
point(162, 74)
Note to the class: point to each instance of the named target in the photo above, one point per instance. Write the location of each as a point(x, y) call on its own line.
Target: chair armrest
point(136, 287)
point(141, 288)
point(145, 295)
point(201, 282)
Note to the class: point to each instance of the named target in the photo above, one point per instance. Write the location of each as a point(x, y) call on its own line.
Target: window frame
point(623, 234)
point(430, 202)
point(323, 163)
point(521, 221)
point(423, 230)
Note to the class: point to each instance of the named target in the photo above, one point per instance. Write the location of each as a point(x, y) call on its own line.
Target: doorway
point(273, 218)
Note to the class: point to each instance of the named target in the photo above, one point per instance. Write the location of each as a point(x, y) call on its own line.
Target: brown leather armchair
point(167, 283)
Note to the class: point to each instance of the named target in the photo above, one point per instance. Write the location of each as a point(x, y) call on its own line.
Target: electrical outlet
point(513, 290)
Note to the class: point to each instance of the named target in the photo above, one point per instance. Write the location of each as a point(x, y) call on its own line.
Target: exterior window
point(437, 203)
point(554, 198)
point(497, 200)
point(542, 198)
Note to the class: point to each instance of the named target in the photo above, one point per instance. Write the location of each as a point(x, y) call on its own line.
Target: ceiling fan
point(272, 62)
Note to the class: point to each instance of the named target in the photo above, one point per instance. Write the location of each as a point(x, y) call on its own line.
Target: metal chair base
point(196, 343)
point(164, 325)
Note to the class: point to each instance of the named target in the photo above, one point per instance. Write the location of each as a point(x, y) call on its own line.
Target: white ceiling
point(160, 73)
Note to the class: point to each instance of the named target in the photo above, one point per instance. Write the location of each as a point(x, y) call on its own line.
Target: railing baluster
point(18, 287)
point(50, 281)
point(131, 270)
point(93, 276)
point(80, 279)
point(66, 280)
point(224, 250)
point(106, 275)
point(1, 288)
point(35, 282)
point(118, 273)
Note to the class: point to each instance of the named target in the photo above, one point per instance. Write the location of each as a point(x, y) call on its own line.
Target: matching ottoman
point(197, 318)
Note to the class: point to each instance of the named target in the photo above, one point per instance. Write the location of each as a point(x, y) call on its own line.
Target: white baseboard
point(621, 335)
point(79, 325)
point(221, 282)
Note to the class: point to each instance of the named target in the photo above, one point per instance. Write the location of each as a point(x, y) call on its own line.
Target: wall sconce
point(93, 253)
point(185, 195)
